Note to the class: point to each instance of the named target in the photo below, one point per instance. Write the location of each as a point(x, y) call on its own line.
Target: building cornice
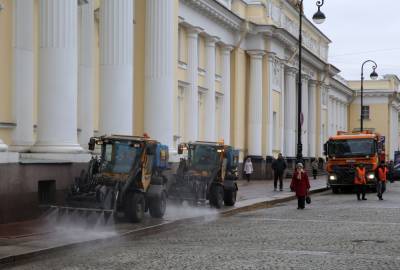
point(217, 12)
point(291, 42)
point(335, 83)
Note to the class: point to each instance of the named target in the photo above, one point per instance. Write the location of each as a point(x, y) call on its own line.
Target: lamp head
point(319, 17)
point(374, 75)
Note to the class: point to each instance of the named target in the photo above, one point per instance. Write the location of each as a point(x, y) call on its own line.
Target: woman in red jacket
point(300, 185)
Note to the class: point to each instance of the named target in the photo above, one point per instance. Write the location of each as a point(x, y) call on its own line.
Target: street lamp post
point(373, 76)
point(318, 18)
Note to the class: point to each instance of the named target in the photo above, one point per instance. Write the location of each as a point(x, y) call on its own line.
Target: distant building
point(381, 102)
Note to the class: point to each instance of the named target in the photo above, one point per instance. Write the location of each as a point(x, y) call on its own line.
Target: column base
point(3, 146)
point(21, 148)
point(9, 157)
point(70, 148)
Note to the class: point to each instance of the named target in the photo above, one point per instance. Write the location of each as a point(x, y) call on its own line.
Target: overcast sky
point(361, 30)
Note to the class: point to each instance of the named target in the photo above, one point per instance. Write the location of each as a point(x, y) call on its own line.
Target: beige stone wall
point(6, 64)
point(239, 62)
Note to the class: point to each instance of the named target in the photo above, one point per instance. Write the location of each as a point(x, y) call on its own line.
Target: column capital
point(226, 48)
point(256, 54)
point(193, 31)
point(271, 56)
point(291, 71)
point(313, 83)
point(211, 40)
point(305, 77)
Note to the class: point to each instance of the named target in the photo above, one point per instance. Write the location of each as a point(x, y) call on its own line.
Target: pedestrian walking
point(381, 175)
point(360, 182)
point(248, 168)
point(300, 184)
point(279, 166)
point(314, 166)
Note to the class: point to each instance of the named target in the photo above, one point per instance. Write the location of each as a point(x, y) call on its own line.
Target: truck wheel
point(134, 207)
point(335, 190)
point(158, 205)
point(217, 196)
point(230, 197)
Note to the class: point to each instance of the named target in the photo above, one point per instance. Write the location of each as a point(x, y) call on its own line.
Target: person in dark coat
point(300, 184)
point(279, 166)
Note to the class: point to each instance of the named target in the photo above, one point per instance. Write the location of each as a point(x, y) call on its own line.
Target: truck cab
point(347, 150)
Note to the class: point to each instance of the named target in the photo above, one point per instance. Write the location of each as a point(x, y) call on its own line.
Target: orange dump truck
point(345, 150)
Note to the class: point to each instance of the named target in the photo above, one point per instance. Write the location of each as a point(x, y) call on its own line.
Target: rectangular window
point(201, 117)
point(180, 111)
point(218, 112)
point(179, 43)
point(365, 112)
point(47, 191)
point(275, 132)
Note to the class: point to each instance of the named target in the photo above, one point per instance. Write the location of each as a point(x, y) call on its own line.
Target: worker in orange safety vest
point(381, 175)
point(360, 182)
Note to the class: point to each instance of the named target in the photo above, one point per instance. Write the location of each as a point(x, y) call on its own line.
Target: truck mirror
point(91, 144)
point(325, 149)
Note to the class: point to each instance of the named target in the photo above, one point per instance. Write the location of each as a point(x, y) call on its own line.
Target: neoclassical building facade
point(178, 70)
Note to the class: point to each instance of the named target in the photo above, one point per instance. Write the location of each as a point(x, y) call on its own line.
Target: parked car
point(396, 172)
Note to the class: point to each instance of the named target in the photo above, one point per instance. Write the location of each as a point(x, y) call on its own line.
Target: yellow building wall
point(202, 81)
point(183, 44)
point(218, 60)
point(238, 86)
point(181, 74)
point(370, 84)
point(139, 67)
point(218, 87)
point(379, 117)
point(276, 107)
point(6, 63)
point(239, 7)
point(202, 52)
point(256, 14)
point(265, 102)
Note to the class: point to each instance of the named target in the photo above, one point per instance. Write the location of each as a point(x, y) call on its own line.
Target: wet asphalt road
point(334, 232)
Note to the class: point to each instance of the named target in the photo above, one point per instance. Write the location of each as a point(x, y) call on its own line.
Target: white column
point(209, 125)
point(312, 116)
point(159, 70)
point(270, 125)
point(304, 109)
point(58, 77)
point(3, 146)
point(226, 88)
point(254, 139)
point(346, 117)
point(330, 116)
point(116, 67)
point(22, 137)
point(334, 115)
point(192, 94)
point(282, 107)
point(290, 112)
point(86, 74)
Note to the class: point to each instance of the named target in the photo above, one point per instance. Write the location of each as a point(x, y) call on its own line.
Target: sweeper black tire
point(158, 205)
point(217, 196)
point(134, 206)
point(230, 197)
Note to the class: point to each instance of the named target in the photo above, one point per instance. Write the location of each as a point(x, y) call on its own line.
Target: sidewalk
point(25, 239)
